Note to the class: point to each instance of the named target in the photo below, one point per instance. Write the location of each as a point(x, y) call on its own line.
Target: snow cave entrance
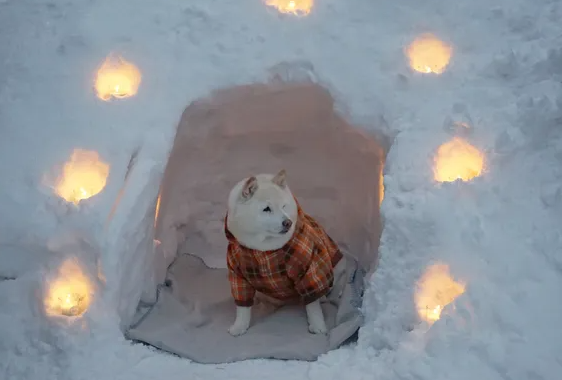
point(335, 171)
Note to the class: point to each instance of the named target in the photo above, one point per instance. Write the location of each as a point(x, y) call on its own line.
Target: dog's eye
point(267, 209)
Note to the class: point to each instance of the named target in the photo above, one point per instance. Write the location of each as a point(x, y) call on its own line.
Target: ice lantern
point(435, 290)
point(457, 159)
point(117, 78)
point(428, 54)
point(83, 176)
point(295, 7)
point(70, 293)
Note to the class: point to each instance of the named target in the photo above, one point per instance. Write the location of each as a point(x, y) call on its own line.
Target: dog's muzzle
point(287, 224)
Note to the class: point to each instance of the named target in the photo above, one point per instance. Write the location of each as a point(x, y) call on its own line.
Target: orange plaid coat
point(302, 270)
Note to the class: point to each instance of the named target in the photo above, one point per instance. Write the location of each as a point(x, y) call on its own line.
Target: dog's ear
point(249, 188)
point(280, 179)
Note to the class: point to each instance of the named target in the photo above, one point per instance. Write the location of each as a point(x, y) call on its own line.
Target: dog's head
point(263, 205)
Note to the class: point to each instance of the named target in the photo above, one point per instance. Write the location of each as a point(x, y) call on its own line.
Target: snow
point(500, 232)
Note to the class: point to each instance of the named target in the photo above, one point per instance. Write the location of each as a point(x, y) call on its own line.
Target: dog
point(276, 249)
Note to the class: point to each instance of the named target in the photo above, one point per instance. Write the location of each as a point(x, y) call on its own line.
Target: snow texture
point(501, 233)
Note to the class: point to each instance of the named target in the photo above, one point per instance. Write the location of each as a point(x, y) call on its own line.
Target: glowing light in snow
point(435, 290)
point(295, 7)
point(83, 176)
point(70, 293)
point(427, 54)
point(457, 159)
point(117, 78)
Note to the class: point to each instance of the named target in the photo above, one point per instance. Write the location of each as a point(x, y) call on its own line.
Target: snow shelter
point(334, 170)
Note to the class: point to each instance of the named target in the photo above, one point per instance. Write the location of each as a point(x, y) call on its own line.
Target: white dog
point(276, 249)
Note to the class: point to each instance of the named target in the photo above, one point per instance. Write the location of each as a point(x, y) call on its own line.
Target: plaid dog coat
point(301, 270)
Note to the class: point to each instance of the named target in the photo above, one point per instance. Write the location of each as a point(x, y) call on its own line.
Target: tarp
point(333, 169)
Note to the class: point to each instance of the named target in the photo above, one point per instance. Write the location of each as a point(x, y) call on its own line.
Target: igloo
point(163, 256)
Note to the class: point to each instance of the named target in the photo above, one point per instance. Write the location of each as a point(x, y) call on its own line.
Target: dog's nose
point(287, 223)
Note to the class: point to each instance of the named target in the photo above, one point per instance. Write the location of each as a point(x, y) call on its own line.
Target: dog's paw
point(318, 328)
point(237, 329)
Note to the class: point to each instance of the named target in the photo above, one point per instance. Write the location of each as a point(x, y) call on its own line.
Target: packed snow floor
point(501, 232)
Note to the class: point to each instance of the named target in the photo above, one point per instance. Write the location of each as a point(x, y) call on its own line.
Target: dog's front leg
point(315, 316)
point(242, 321)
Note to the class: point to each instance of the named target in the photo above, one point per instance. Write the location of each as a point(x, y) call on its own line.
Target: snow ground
point(501, 232)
